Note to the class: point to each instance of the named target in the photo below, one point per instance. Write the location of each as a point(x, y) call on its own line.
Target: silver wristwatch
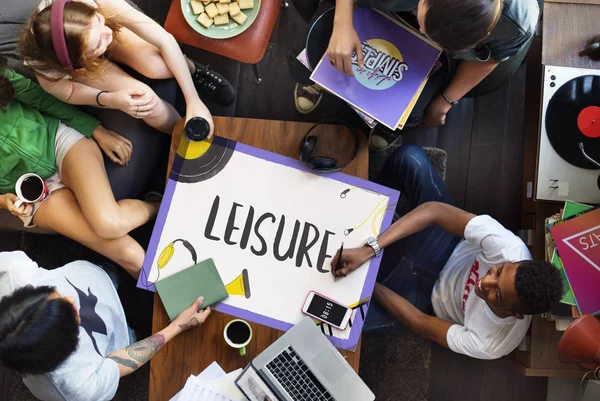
point(372, 242)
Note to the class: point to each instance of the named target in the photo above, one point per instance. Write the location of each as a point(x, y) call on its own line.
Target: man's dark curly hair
point(539, 287)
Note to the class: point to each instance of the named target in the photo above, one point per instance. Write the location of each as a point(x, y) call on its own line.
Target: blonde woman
point(72, 46)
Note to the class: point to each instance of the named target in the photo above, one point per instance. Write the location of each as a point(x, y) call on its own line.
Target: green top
point(28, 127)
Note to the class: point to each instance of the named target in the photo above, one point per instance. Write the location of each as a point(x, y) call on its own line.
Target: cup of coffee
point(30, 188)
point(238, 334)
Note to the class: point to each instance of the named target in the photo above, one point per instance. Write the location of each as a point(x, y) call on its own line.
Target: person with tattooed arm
point(64, 330)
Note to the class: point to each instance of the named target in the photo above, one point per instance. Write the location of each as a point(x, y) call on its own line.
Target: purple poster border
point(369, 284)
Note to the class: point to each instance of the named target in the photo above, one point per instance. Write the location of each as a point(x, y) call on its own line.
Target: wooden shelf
point(564, 35)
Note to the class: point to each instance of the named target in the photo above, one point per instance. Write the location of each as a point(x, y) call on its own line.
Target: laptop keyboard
point(296, 378)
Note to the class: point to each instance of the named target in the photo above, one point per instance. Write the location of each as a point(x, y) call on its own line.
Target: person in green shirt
point(63, 145)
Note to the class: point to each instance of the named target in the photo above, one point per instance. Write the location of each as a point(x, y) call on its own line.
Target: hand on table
point(192, 316)
point(198, 109)
point(352, 259)
point(343, 42)
point(435, 115)
point(7, 201)
point(117, 147)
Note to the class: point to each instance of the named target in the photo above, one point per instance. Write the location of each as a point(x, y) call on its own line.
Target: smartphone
point(326, 310)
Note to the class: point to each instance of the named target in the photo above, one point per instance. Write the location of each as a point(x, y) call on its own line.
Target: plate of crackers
point(220, 19)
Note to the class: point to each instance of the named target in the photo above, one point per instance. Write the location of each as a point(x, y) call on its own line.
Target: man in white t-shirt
point(64, 330)
point(476, 276)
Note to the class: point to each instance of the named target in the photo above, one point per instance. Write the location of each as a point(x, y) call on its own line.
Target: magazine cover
point(396, 63)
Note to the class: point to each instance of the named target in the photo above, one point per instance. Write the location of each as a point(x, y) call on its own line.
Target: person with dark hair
point(482, 34)
point(65, 332)
point(461, 280)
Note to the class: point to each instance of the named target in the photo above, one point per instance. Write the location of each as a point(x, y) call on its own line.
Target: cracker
point(222, 19)
point(211, 10)
point(234, 9)
point(223, 9)
point(205, 20)
point(240, 18)
point(197, 7)
point(224, 1)
point(206, 2)
point(246, 4)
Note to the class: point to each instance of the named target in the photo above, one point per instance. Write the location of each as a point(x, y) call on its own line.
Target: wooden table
point(248, 47)
point(192, 351)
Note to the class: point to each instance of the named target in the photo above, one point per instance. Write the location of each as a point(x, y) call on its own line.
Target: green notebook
point(180, 290)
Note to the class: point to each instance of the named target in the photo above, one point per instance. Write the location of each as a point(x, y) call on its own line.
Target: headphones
point(164, 258)
point(169, 250)
point(322, 164)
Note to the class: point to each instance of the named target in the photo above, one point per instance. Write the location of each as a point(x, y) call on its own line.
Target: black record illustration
point(573, 121)
point(206, 164)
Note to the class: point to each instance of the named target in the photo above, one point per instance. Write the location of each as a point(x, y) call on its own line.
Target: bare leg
point(114, 78)
point(61, 213)
point(142, 56)
point(84, 173)
point(147, 59)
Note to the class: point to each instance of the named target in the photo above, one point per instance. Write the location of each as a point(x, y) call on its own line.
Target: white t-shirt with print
point(477, 331)
point(86, 374)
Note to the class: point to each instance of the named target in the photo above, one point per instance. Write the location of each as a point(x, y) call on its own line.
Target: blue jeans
point(411, 265)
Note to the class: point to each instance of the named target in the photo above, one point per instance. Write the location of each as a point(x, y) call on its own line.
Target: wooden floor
point(484, 141)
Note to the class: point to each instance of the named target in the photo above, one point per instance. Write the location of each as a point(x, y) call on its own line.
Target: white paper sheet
point(226, 385)
point(212, 384)
point(212, 372)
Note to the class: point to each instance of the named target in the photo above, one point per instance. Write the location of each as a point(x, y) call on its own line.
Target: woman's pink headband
point(57, 31)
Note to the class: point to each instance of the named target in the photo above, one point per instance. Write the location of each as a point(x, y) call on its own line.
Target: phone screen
point(325, 309)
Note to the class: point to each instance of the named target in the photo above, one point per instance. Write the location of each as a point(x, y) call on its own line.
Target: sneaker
point(213, 84)
point(382, 138)
point(307, 97)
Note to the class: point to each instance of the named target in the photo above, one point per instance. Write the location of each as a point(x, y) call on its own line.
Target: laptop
point(302, 365)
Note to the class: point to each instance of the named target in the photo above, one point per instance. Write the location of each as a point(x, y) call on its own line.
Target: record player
point(569, 158)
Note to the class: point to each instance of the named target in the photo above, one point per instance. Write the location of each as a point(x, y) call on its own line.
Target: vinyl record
point(573, 121)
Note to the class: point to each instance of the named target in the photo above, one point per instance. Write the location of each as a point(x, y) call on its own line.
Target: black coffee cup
point(238, 334)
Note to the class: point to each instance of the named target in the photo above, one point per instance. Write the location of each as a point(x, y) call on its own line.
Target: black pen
point(339, 262)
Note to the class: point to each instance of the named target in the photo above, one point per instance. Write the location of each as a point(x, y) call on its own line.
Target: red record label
point(588, 121)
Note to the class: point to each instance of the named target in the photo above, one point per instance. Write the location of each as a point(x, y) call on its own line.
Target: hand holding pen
point(346, 261)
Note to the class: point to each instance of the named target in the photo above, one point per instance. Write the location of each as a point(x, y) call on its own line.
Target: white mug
point(19, 190)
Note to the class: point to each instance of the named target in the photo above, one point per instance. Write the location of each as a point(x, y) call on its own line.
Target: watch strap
point(373, 243)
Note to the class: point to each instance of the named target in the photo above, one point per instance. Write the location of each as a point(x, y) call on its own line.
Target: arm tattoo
point(125, 362)
point(143, 350)
point(192, 323)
